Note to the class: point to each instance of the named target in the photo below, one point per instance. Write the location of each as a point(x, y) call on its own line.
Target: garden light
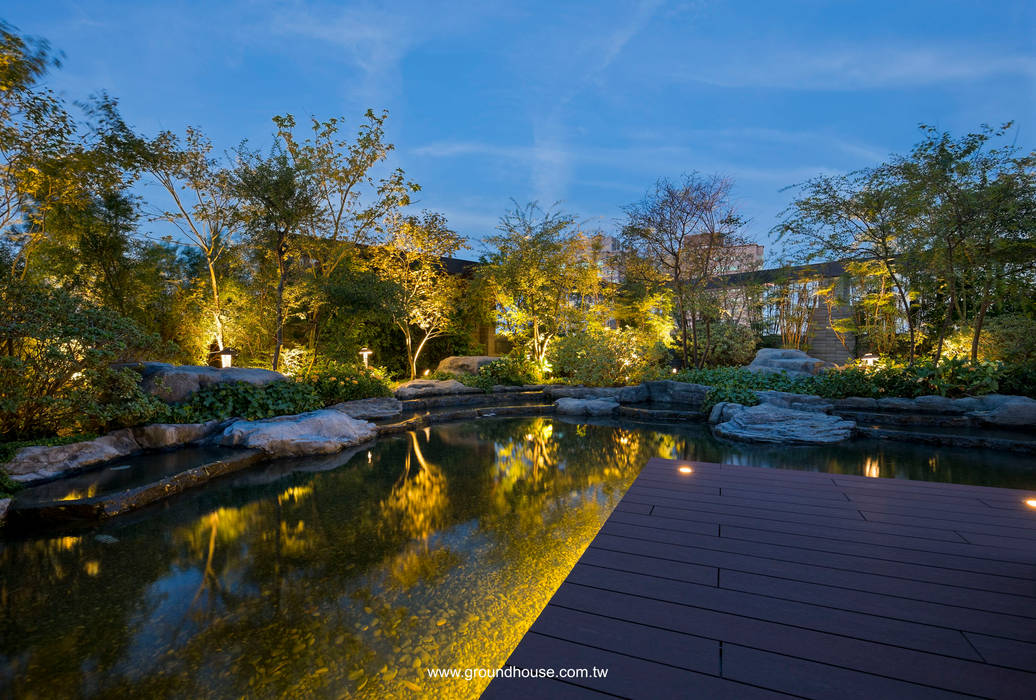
point(870, 359)
point(365, 353)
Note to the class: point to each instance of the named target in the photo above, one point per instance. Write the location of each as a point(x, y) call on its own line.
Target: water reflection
point(435, 548)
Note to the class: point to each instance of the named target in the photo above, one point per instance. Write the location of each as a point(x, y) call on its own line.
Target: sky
point(584, 104)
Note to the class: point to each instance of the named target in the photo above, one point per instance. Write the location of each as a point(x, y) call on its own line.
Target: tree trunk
point(980, 317)
point(282, 272)
point(217, 313)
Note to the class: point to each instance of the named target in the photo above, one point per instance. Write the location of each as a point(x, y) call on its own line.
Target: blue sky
point(586, 103)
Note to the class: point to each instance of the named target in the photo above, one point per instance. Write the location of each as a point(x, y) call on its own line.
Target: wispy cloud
point(856, 68)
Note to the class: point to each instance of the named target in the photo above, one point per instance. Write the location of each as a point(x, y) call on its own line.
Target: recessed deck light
point(685, 470)
point(1031, 502)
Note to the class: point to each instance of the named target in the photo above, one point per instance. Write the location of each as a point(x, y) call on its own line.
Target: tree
point(976, 226)
point(866, 215)
point(352, 203)
point(422, 294)
point(205, 207)
point(542, 278)
point(281, 203)
point(686, 234)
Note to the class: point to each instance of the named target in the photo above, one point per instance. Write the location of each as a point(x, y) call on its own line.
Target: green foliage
point(731, 392)
point(952, 378)
point(731, 344)
point(605, 357)
point(513, 370)
point(1009, 338)
point(243, 400)
point(57, 375)
point(335, 383)
point(1019, 379)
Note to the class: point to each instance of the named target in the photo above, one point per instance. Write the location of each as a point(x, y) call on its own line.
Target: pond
point(350, 577)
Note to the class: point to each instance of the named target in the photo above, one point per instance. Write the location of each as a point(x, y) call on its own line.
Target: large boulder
point(683, 393)
point(44, 461)
point(173, 384)
point(161, 435)
point(417, 388)
point(464, 364)
point(637, 393)
point(586, 407)
point(371, 409)
point(318, 432)
point(771, 423)
point(791, 362)
point(999, 411)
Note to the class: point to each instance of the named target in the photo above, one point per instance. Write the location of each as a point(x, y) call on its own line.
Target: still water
point(349, 577)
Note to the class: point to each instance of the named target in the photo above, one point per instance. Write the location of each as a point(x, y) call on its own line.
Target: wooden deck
point(742, 582)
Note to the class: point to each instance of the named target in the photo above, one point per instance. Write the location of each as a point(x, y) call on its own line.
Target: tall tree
point(541, 274)
point(686, 233)
point(423, 294)
point(352, 201)
point(281, 201)
point(204, 204)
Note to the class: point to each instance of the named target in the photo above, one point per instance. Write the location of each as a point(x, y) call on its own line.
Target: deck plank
point(738, 581)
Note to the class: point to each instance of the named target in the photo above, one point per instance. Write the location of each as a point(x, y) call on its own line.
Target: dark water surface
point(436, 548)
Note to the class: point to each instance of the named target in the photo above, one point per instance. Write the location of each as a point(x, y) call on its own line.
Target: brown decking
point(742, 582)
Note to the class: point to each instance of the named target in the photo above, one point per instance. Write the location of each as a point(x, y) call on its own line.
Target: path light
point(870, 359)
point(365, 353)
point(674, 370)
point(685, 470)
point(425, 373)
point(226, 357)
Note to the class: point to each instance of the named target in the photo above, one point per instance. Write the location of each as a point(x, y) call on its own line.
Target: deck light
point(365, 353)
point(1031, 502)
point(685, 470)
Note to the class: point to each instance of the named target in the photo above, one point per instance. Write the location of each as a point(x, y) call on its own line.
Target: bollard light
point(870, 359)
point(365, 353)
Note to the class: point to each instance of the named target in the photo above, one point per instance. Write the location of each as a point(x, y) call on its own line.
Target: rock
point(371, 409)
point(938, 404)
point(464, 364)
point(160, 435)
point(798, 402)
point(620, 394)
point(792, 362)
point(668, 391)
point(31, 463)
point(770, 423)
point(416, 388)
point(106, 539)
point(5, 503)
point(318, 432)
point(174, 384)
point(723, 411)
point(585, 407)
point(1006, 411)
point(896, 404)
point(855, 403)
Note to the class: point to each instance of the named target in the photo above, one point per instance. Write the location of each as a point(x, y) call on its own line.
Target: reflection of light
point(685, 470)
point(74, 495)
point(295, 493)
point(871, 468)
point(92, 567)
point(370, 457)
point(67, 543)
point(1031, 502)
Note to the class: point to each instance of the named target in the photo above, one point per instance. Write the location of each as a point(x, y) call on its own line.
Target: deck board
point(741, 582)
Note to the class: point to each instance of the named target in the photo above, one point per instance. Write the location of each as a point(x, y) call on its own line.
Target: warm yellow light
point(366, 353)
point(1031, 502)
point(685, 470)
point(92, 567)
point(426, 372)
point(674, 370)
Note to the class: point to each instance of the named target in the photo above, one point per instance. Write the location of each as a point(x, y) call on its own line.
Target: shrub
point(335, 383)
point(57, 375)
point(1018, 379)
point(1009, 338)
point(731, 392)
point(243, 400)
point(515, 369)
point(603, 357)
point(732, 345)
